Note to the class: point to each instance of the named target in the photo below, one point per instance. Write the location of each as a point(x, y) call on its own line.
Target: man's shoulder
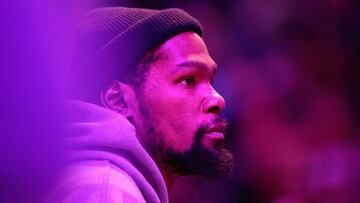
point(98, 181)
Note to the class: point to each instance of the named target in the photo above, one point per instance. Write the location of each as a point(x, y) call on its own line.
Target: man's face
point(178, 107)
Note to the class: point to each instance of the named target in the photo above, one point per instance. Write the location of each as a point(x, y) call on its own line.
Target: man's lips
point(214, 136)
point(220, 128)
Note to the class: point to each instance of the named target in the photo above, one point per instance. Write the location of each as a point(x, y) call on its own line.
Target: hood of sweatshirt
point(96, 133)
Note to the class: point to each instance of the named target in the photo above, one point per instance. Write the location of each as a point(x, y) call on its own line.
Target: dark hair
point(144, 66)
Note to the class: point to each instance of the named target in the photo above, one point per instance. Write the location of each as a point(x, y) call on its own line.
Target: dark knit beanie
point(110, 42)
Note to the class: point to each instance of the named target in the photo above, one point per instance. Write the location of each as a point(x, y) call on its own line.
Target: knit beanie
point(110, 42)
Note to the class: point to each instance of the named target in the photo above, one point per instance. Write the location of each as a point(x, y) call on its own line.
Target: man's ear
point(117, 98)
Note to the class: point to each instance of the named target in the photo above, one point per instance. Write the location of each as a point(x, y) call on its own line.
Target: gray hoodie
point(108, 163)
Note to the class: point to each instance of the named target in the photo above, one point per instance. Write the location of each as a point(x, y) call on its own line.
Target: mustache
point(217, 124)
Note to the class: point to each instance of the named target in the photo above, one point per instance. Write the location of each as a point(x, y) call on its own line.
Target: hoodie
point(107, 164)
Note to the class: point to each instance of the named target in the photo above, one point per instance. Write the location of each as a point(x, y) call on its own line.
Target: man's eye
point(188, 81)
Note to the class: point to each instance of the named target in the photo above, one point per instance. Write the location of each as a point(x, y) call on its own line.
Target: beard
point(199, 160)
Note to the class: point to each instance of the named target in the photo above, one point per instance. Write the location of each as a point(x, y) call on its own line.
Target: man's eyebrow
point(194, 64)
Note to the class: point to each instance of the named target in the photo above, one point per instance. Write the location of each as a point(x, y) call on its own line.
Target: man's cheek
point(178, 135)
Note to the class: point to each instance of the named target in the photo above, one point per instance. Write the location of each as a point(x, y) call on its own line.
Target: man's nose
point(215, 103)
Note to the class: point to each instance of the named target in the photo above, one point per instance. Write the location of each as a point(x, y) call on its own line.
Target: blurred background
point(288, 70)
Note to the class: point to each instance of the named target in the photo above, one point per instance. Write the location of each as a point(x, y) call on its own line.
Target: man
point(152, 74)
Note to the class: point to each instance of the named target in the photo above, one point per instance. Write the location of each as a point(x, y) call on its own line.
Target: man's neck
point(169, 176)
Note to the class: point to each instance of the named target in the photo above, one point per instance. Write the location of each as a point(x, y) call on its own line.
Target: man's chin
point(200, 161)
point(225, 162)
